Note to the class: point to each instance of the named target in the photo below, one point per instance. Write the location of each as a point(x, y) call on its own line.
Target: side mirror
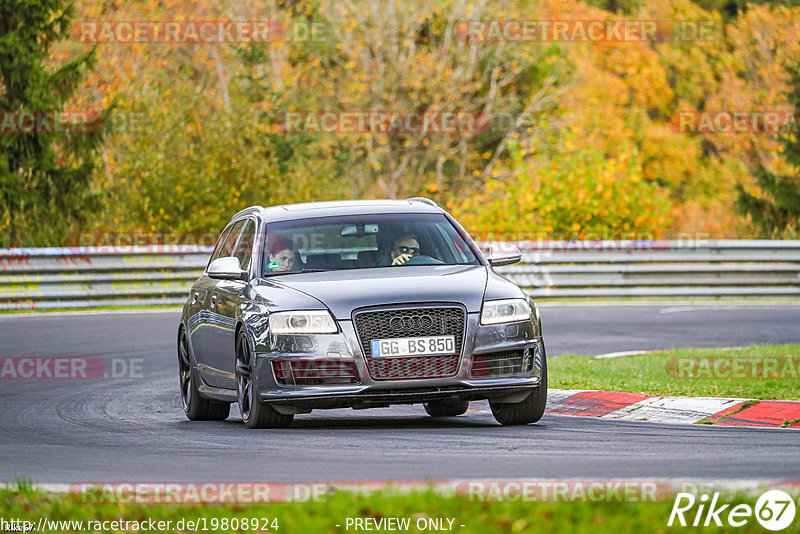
point(503, 254)
point(227, 268)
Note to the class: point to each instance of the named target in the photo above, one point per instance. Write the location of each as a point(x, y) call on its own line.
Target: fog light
point(315, 371)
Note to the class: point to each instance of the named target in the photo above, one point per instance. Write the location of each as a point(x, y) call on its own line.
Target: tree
point(200, 146)
point(44, 175)
point(210, 134)
point(412, 57)
point(775, 205)
point(556, 189)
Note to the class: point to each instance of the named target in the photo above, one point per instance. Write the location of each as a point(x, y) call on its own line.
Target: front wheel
point(196, 407)
point(446, 408)
point(527, 411)
point(255, 413)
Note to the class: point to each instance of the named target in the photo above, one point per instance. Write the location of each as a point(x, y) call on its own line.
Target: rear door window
point(244, 248)
point(227, 242)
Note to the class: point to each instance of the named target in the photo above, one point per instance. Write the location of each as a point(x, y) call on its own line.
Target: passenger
point(282, 255)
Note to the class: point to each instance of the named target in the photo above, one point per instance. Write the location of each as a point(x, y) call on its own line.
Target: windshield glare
point(363, 242)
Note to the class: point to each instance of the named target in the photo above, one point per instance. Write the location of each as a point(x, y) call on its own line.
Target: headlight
point(302, 322)
point(505, 311)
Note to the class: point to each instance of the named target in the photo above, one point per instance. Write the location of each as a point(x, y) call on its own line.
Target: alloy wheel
point(244, 377)
point(185, 369)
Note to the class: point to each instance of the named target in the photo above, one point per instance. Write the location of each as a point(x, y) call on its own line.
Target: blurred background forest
point(591, 149)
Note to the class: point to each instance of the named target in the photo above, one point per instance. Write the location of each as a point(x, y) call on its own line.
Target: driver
point(404, 247)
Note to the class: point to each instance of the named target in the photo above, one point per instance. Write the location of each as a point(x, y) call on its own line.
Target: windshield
point(363, 242)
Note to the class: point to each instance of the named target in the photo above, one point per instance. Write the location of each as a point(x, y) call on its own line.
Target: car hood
point(342, 291)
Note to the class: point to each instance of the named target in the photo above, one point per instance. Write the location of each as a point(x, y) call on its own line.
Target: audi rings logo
point(414, 322)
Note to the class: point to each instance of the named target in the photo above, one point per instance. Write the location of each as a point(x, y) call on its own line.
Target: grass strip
point(765, 372)
point(323, 517)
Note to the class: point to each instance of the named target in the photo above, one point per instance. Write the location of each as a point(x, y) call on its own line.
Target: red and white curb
point(687, 410)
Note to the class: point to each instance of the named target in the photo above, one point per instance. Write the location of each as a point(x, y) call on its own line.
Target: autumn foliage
point(579, 138)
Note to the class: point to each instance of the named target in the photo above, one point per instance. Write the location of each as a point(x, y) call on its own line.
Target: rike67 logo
point(774, 510)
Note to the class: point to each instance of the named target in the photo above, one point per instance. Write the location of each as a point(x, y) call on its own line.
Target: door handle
point(214, 301)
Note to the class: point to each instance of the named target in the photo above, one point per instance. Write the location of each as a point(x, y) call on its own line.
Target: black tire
point(527, 411)
point(446, 408)
point(255, 413)
point(196, 407)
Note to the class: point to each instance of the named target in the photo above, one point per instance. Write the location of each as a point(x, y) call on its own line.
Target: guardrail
point(79, 277)
point(41, 278)
point(691, 268)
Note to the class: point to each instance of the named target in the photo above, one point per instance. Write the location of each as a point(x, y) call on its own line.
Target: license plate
point(413, 346)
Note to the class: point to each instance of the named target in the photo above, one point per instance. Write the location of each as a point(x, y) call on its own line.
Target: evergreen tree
point(44, 175)
point(776, 212)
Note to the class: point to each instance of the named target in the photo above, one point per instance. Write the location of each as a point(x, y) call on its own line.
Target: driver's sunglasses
point(408, 250)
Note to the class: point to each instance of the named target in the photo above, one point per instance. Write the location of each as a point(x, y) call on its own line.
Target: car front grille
point(417, 322)
point(506, 363)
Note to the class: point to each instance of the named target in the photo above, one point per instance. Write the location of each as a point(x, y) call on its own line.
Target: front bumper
point(346, 349)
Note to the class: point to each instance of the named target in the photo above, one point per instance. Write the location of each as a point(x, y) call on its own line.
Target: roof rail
point(423, 200)
point(258, 209)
